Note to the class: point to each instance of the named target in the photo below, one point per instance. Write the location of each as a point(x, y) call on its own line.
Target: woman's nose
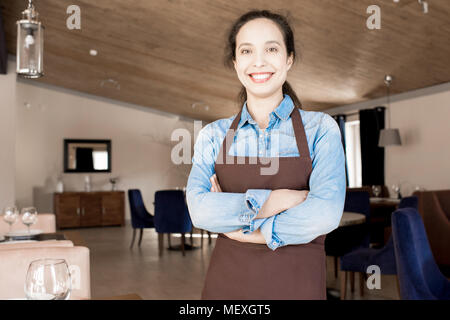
point(259, 60)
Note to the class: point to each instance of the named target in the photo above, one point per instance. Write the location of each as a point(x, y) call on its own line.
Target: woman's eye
point(245, 51)
point(273, 49)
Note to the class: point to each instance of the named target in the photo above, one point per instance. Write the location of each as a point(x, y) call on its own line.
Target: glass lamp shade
point(389, 137)
point(30, 48)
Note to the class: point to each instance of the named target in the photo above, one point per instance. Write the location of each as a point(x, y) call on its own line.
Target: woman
point(271, 222)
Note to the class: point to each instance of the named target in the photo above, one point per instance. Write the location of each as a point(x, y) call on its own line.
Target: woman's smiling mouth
point(260, 77)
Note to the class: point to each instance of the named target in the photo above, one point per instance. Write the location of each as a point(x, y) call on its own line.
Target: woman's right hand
point(280, 200)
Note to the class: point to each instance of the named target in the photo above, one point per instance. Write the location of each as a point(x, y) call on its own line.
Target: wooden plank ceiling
point(168, 54)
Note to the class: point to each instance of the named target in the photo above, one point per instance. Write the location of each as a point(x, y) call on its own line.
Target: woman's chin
point(261, 93)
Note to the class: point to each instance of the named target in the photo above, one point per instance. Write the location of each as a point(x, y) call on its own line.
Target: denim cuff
point(272, 240)
point(254, 199)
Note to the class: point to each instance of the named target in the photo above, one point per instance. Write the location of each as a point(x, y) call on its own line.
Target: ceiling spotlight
point(93, 52)
point(200, 104)
point(110, 83)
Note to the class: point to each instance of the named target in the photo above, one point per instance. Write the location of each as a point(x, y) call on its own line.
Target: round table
point(351, 218)
point(384, 201)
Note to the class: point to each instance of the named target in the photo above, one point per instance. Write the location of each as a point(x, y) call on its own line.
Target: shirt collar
point(283, 111)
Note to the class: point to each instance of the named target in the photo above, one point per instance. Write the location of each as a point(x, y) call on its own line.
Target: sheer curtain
point(353, 153)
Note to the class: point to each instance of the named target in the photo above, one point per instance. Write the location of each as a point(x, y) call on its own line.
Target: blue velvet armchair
point(418, 274)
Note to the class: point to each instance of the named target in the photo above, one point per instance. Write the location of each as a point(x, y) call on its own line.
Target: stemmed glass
point(29, 217)
point(48, 279)
point(376, 190)
point(396, 190)
point(10, 216)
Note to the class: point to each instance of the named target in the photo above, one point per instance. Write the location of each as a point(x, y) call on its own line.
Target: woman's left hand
point(254, 237)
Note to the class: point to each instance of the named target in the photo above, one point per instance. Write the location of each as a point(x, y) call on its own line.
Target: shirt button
point(274, 243)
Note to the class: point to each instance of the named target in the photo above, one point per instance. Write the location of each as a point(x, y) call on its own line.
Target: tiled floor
point(117, 270)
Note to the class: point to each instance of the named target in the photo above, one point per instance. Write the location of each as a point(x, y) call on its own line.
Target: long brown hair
point(288, 36)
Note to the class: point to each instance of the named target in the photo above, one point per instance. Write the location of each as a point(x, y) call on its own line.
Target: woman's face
point(261, 58)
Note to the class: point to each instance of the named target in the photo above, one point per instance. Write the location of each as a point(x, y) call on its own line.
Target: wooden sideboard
point(89, 209)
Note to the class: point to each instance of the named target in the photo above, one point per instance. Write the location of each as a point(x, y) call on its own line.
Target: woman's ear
point(290, 61)
point(234, 64)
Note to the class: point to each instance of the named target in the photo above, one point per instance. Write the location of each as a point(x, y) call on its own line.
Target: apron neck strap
point(299, 131)
point(300, 135)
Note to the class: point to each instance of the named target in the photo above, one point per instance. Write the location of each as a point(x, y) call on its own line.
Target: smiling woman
point(272, 225)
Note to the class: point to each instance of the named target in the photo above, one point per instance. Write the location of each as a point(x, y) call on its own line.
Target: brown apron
point(249, 271)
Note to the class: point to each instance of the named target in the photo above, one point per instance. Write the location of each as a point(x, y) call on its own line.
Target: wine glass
point(376, 190)
point(29, 217)
point(10, 216)
point(396, 190)
point(48, 279)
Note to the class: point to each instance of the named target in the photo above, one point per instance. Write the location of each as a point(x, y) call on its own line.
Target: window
point(353, 153)
point(100, 160)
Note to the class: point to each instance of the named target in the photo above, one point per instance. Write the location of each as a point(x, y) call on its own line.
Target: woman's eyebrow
point(245, 44)
point(249, 44)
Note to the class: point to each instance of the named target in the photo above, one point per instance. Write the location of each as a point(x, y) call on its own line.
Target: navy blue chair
point(140, 217)
point(358, 260)
point(171, 216)
point(418, 274)
point(348, 238)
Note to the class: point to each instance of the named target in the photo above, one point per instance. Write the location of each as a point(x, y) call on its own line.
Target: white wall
point(46, 115)
point(424, 157)
point(7, 137)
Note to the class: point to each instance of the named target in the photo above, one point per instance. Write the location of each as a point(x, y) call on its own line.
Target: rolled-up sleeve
point(321, 212)
point(214, 211)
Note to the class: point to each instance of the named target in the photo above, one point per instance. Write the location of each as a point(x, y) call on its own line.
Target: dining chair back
point(348, 238)
point(171, 215)
point(408, 202)
point(14, 265)
point(418, 273)
point(171, 212)
point(140, 217)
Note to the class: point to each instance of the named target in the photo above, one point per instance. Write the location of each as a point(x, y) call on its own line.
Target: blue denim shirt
point(223, 212)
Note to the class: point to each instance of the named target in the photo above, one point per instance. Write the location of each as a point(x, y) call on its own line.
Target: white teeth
point(261, 76)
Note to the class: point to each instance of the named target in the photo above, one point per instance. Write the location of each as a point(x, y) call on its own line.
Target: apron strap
point(300, 135)
point(299, 131)
point(229, 138)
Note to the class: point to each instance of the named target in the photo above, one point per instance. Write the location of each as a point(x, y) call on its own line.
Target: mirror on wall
point(87, 155)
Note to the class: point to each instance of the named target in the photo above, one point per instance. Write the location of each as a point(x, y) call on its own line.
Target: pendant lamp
point(30, 44)
point(388, 136)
